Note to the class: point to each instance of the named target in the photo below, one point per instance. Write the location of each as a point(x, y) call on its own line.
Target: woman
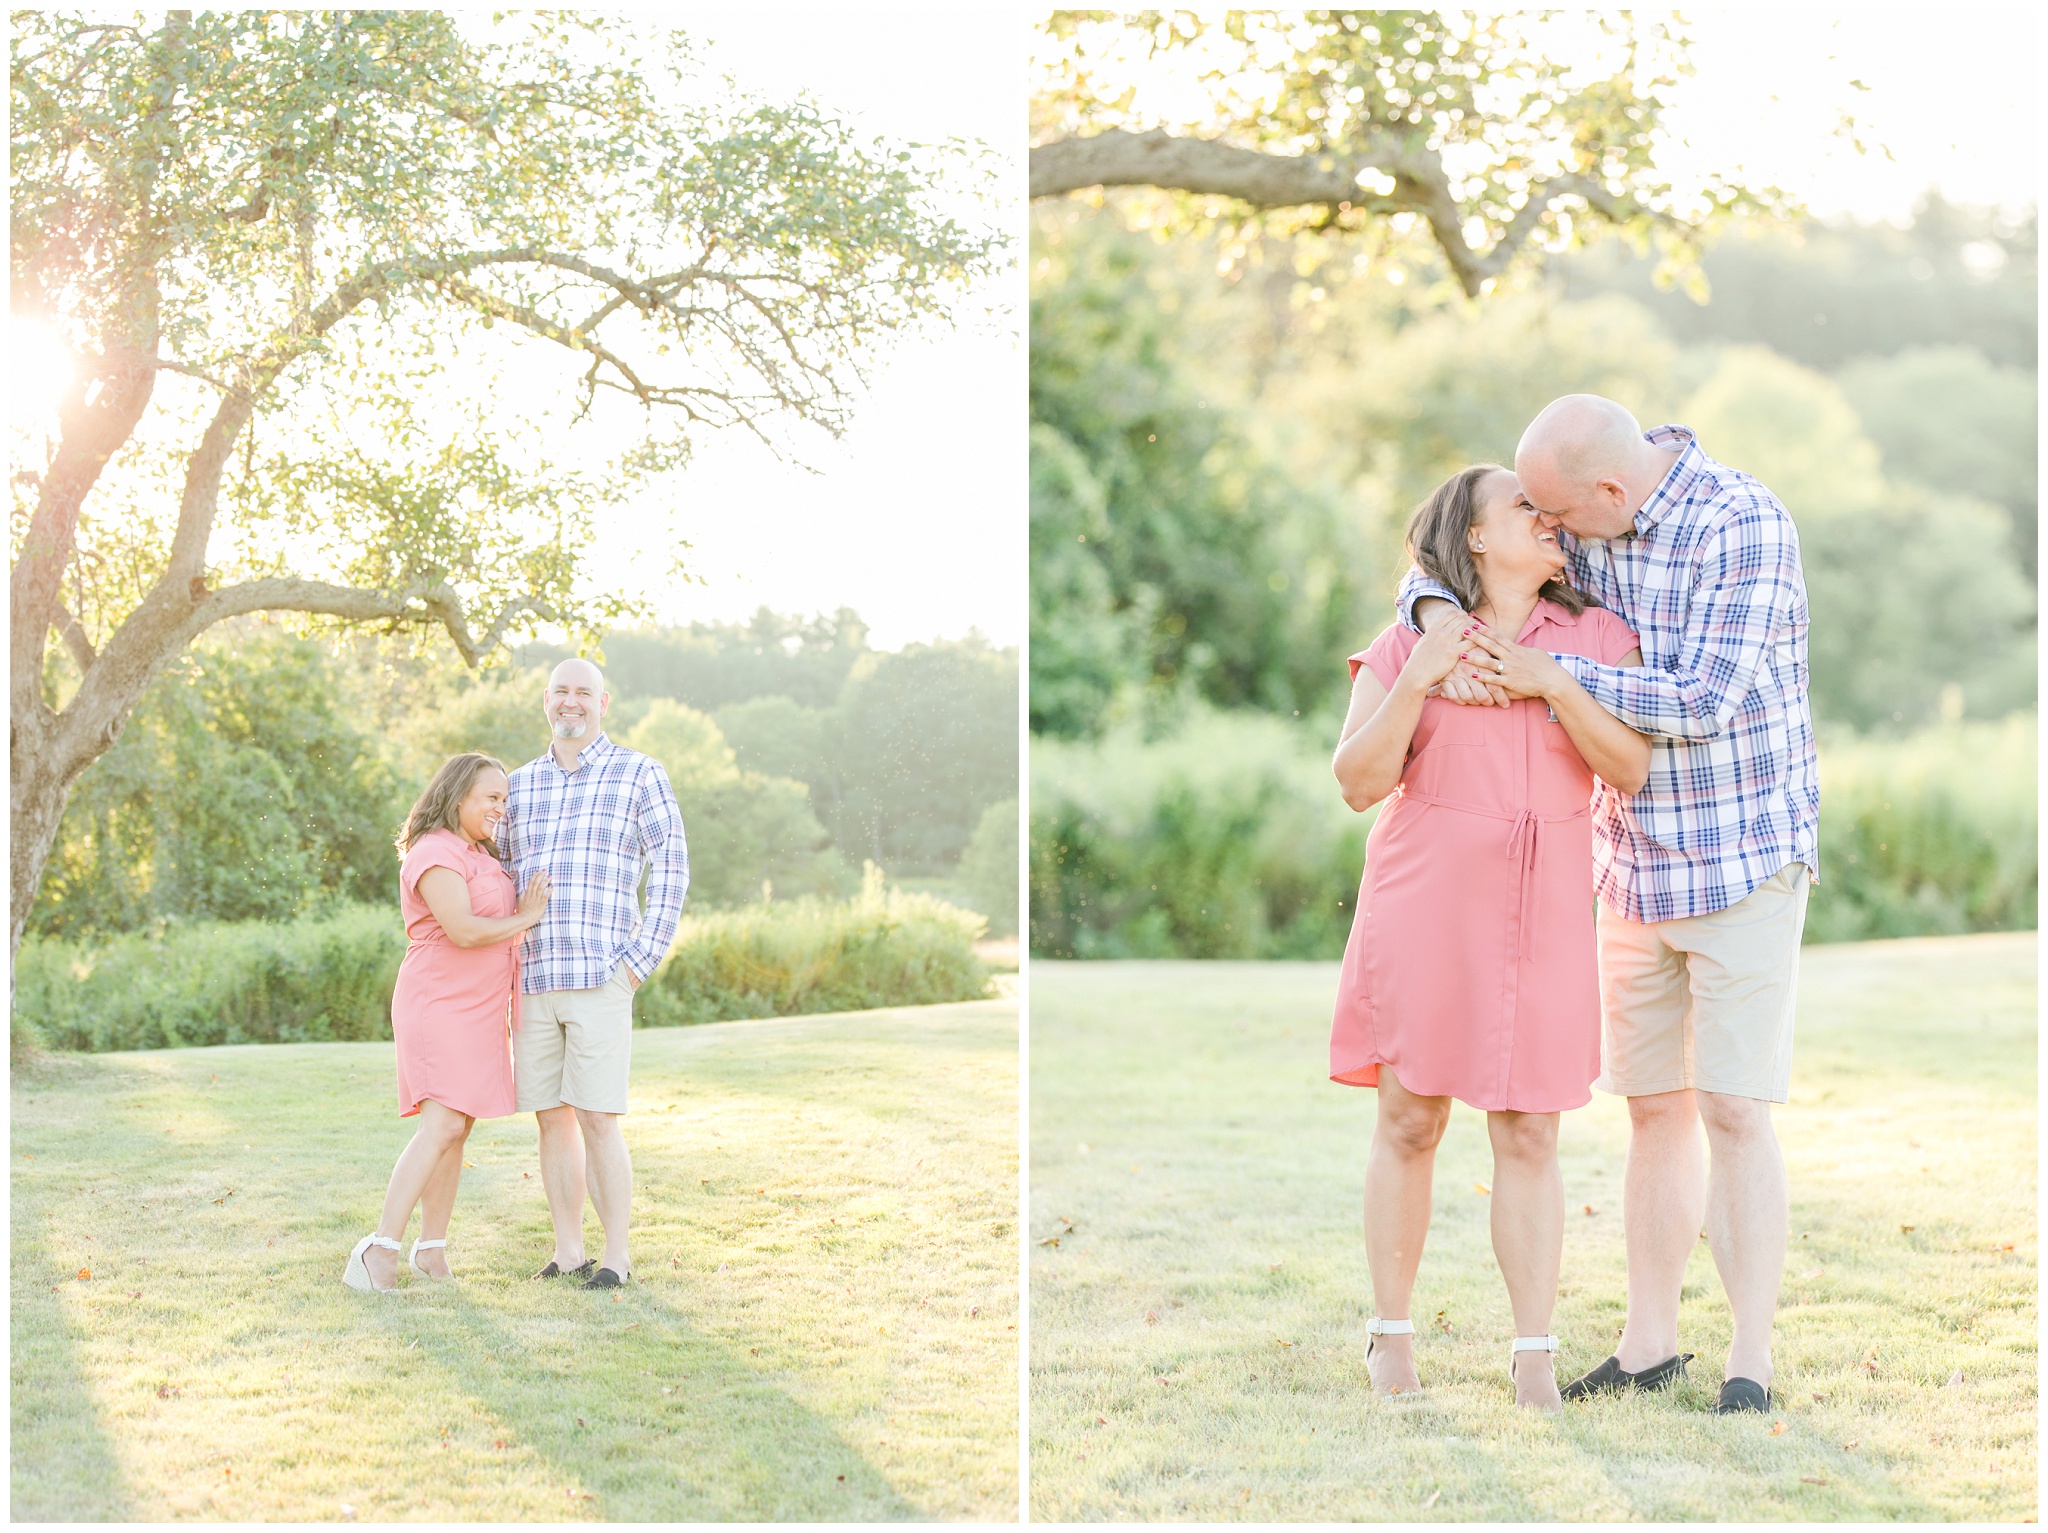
point(455, 1007)
point(1470, 969)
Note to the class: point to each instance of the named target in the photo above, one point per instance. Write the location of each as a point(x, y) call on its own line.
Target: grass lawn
point(823, 1324)
point(1198, 1329)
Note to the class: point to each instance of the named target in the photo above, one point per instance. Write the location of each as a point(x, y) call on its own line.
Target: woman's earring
point(1478, 548)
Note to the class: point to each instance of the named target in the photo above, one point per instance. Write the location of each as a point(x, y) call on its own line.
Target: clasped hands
point(1492, 671)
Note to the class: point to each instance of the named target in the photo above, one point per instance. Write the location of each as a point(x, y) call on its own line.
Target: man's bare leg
point(1662, 1205)
point(561, 1176)
point(1748, 1218)
point(611, 1183)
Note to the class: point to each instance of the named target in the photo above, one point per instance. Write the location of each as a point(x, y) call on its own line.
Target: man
point(1702, 876)
point(594, 816)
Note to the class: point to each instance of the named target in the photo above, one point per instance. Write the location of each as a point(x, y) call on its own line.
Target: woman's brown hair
point(440, 806)
point(1438, 542)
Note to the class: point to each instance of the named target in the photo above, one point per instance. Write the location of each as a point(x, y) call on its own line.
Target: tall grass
point(329, 977)
point(884, 947)
point(1227, 839)
point(1930, 834)
point(321, 978)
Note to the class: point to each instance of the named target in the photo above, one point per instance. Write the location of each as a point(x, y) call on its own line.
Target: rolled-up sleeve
point(659, 823)
point(1414, 586)
point(1747, 594)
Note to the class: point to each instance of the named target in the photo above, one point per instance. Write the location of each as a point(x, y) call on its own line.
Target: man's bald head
point(575, 701)
point(582, 670)
point(1583, 462)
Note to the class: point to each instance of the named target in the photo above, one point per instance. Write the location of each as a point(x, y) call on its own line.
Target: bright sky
point(1953, 95)
point(917, 518)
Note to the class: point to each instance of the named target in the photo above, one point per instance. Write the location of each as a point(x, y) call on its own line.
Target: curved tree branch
point(1206, 167)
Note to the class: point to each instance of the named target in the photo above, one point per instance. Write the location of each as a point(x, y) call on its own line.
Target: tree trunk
point(37, 808)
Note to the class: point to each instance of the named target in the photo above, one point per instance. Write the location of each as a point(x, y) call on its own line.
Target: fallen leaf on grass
point(1151, 1317)
point(973, 1310)
point(166, 1391)
point(1051, 1240)
point(499, 1442)
point(1426, 1505)
point(1818, 1397)
point(1777, 1429)
point(1954, 1379)
point(1905, 1229)
point(2006, 1246)
point(224, 1197)
point(1851, 1444)
point(1811, 1479)
point(675, 1261)
point(1482, 1187)
point(581, 1422)
point(1817, 1272)
point(1589, 1208)
point(1869, 1363)
point(348, 1513)
point(633, 1325)
point(84, 1273)
point(469, 1165)
point(526, 1173)
point(1102, 1421)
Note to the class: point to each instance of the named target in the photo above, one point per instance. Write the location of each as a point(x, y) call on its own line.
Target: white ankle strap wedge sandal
point(1377, 1327)
point(413, 1258)
point(357, 1273)
point(1529, 1344)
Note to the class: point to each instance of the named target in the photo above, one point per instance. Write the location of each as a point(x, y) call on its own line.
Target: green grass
point(823, 1327)
point(1197, 1334)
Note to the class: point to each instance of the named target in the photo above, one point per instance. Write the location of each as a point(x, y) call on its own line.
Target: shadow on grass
point(712, 1451)
point(729, 1442)
point(64, 1468)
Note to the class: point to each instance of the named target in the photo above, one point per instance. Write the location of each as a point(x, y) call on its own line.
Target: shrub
point(989, 867)
point(1228, 840)
point(323, 976)
point(884, 947)
point(1928, 834)
point(330, 976)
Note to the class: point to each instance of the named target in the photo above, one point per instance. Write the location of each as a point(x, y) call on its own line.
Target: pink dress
point(454, 1010)
point(1471, 968)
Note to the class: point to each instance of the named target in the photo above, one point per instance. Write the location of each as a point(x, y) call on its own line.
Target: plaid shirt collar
point(593, 755)
point(1675, 492)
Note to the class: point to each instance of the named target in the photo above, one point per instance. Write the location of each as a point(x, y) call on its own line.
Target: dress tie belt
point(1525, 841)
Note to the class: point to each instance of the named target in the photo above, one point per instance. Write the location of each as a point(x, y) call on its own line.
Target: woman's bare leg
point(1397, 1184)
point(1528, 1238)
point(439, 1128)
point(437, 1203)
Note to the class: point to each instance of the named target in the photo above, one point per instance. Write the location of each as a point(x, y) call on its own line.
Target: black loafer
point(1742, 1395)
point(1610, 1378)
point(604, 1277)
point(554, 1269)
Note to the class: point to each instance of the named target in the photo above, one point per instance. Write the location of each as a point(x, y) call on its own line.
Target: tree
point(259, 237)
point(1468, 127)
point(747, 833)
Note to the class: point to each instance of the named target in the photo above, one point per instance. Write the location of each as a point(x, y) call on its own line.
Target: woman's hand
point(1524, 672)
point(533, 904)
point(1438, 651)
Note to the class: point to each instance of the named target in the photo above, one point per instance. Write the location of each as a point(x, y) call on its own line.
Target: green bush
point(989, 867)
point(330, 976)
point(1927, 834)
point(1228, 840)
point(882, 948)
point(323, 976)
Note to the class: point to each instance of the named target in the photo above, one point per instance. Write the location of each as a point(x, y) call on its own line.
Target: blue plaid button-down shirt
point(1710, 582)
point(594, 831)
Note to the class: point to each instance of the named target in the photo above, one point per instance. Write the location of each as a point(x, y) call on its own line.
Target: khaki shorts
point(1704, 1002)
point(575, 1047)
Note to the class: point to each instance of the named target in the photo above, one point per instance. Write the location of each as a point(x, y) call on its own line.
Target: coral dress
point(1471, 967)
point(455, 1009)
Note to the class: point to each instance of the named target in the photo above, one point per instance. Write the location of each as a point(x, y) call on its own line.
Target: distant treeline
point(264, 775)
